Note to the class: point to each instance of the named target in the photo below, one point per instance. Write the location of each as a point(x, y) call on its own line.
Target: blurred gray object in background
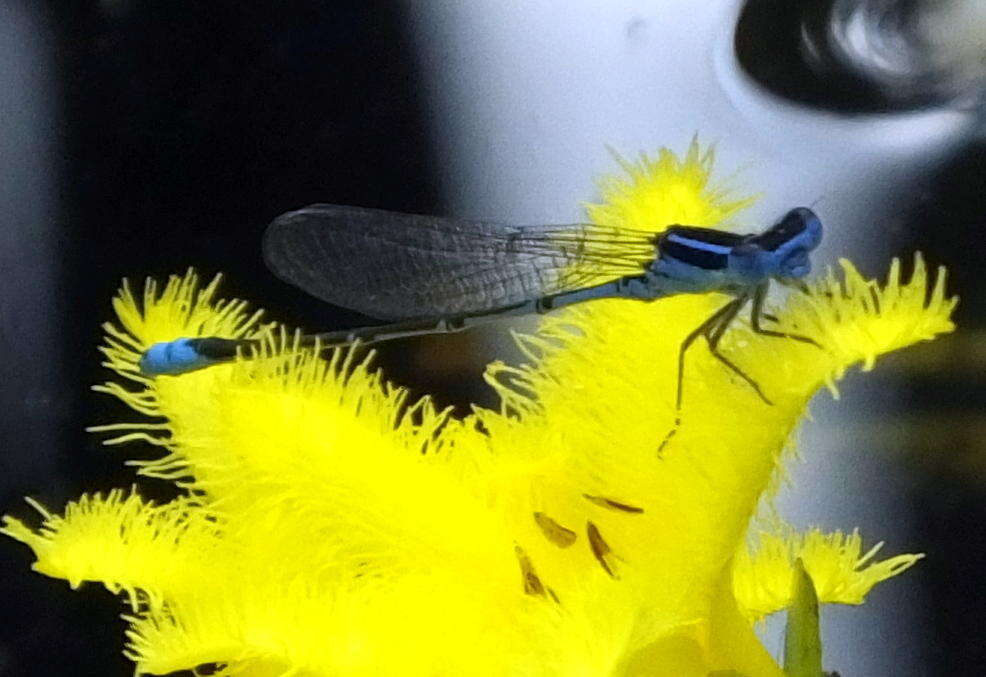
point(866, 56)
point(525, 98)
point(915, 52)
point(34, 400)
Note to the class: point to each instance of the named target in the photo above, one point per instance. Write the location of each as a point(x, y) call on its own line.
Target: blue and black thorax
point(694, 258)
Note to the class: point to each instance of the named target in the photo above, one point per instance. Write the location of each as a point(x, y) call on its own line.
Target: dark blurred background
point(168, 135)
point(141, 138)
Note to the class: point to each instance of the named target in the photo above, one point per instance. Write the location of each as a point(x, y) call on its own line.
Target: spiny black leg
point(746, 377)
point(756, 313)
point(715, 335)
point(703, 329)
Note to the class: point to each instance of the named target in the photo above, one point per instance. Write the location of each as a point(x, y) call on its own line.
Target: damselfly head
point(790, 241)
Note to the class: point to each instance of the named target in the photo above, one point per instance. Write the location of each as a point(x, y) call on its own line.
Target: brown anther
point(554, 532)
point(532, 584)
point(600, 548)
point(613, 505)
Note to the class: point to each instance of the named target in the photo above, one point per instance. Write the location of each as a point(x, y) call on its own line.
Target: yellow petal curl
point(763, 576)
point(121, 540)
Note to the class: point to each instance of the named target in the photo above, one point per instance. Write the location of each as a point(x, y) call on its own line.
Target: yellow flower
point(764, 581)
point(333, 527)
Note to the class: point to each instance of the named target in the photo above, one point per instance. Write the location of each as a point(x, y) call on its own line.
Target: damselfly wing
point(404, 266)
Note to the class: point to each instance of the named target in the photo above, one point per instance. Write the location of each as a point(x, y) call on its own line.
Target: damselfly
point(438, 275)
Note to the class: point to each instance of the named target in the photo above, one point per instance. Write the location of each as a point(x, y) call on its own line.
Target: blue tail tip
point(171, 358)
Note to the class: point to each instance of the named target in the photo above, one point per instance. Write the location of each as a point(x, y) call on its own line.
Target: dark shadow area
point(948, 225)
point(182, 129)
point(788, 48)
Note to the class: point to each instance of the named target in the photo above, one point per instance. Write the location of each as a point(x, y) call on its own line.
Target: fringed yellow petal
point(657, 192)
point(263, 431)
point(597, 398)
point(121, 541)
point(764, 576)
point(257, 626)
point(856, 320)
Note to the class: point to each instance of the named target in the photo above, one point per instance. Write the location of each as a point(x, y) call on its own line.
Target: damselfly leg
point(757, 314)
point(713, 329)
point(715, 336)
point(717, 321)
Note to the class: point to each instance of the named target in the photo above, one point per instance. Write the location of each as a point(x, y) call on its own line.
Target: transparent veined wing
point(403, 266)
